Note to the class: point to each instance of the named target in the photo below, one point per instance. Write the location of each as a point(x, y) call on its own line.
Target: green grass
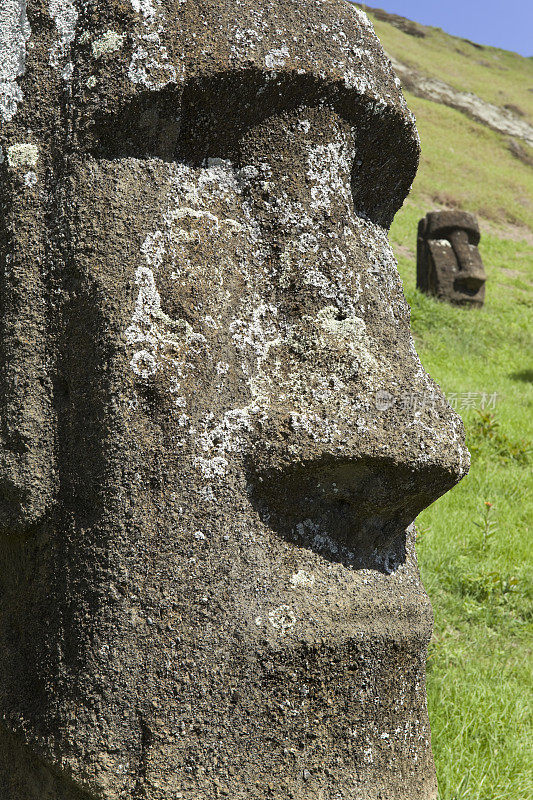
point(487, 179)
point(479, 578)
point(476, 559)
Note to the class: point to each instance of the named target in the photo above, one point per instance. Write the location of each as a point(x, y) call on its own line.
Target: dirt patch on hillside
point(404, 250)
point(519, 151)
point(512, 273)
point(512, 233)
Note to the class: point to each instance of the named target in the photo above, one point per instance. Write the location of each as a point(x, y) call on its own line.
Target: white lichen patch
point(352, 328)
point(303, 579)
point(282, 618)
point(144, 364)
point(277, 58)
point(257, 334)
point(144, 7)
point(14, 33)
point(108, 43)
point(30, 179)
point(152, 328)
point(22, 155)
point(65, 15)
point(150, 64)
point(361, 16)
point(328, 170)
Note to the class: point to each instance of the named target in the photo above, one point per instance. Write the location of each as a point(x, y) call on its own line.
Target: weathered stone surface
point(448, 263)
point(208, 577)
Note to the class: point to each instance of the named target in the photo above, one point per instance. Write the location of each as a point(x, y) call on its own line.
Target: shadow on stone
point(355, 513)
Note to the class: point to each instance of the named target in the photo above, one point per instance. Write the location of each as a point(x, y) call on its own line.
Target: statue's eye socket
point(208, 116)
point(146, 127)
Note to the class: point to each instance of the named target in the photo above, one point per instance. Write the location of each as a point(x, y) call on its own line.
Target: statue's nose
point(359, 505)
point(358, 496)
point(358, 463)
point(26, 428)
point(471, 283)
point(472, 275)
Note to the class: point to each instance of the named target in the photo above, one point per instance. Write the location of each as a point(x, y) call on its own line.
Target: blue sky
point(506, 24)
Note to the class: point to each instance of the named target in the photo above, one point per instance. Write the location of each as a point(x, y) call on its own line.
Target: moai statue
point(208, 471)
point(448, 263)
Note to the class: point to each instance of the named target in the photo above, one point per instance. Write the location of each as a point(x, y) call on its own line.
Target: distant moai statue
point(448, 263)
point(208, 577)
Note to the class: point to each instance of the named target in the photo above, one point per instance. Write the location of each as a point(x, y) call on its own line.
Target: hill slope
point(473, 545)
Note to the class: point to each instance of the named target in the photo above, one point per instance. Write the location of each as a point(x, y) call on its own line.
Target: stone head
point(449, 265)
point(209, 581)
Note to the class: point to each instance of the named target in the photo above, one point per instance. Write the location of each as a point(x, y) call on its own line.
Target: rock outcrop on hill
point(499, 118)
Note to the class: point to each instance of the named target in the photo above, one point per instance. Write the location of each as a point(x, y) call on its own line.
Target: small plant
point(518, 451)
point(421, 532)
point(487, 525)
point(502, 584)
point(486, 430)
point(487, 425)
point(488, 587)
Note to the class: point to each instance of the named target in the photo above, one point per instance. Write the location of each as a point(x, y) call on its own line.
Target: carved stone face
point(210, 577)
point(449, 265)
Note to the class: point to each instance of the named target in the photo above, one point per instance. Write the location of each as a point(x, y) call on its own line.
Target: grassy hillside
point(475, 543)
